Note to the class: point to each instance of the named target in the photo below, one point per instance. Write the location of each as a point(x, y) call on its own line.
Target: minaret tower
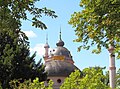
point(112, 68)
point(46, 46)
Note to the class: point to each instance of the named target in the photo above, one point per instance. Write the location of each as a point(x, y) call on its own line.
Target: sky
point(37, 37)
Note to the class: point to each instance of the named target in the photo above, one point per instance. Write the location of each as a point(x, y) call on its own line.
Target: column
point(112, 68)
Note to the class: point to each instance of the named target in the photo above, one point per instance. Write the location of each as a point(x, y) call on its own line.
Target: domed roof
point(60, 43)
point(60, 62)
point(59, 68)
point(61, 51)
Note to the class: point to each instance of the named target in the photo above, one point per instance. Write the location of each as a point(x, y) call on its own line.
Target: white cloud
point(39, 48)
point(30, 33)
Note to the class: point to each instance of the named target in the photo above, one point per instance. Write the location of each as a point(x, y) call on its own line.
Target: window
point(48, 80)
point(59, 80)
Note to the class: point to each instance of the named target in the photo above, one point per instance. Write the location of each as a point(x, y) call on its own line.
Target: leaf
point(97, 21)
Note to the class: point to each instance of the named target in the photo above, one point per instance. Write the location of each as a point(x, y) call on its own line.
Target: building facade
point(58, 63)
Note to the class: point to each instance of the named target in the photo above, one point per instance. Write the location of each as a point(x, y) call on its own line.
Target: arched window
point(59, 80)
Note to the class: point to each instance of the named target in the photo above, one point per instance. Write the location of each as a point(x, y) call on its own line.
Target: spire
point(46, 45)
point(60, 33)
point(46, 38)
point(60, 42)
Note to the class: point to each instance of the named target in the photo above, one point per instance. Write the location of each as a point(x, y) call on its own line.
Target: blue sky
point(64, 9)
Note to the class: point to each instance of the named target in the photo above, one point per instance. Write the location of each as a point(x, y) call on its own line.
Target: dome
point(61, 51)
point(60, 43)
point(59, 68)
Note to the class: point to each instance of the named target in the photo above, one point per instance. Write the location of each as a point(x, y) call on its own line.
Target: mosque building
point(58, 63)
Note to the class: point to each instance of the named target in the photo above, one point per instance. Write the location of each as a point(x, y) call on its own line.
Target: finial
point(60, 42)
point(60, 32)
point(46, 45)
point(46, 38)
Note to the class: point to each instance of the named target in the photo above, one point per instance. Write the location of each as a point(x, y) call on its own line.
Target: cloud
point(30, 33)
point(39, 48)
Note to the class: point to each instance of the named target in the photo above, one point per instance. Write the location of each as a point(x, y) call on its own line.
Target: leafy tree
point(98, 24)
point(118, 79)
point(31, 85)
point(72, 82)
point(92, 78)
point(15, 59)
point(19, 9)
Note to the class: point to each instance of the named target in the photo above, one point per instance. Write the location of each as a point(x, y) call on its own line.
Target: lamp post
point(112, 68)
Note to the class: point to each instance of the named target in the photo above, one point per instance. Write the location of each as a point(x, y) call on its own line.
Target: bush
point(28, 84)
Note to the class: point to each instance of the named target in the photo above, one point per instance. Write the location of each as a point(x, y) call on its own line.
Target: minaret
point(46, 46)
point(112, 68)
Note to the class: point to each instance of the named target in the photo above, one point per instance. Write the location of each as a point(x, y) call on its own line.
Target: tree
point(15, 59)
point(98, 24)
point(92, 78)
point(118, 79)
point(31, 85)
point(20, 10)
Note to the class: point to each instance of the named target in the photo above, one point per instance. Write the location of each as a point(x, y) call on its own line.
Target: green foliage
point(118, 79)
point(98, 24)
point(92, 78)
point(0, 86)
point(15, 59)
point(19, 9)
point(72, 82)
point(96, 78)
point(89, 78)
point(31, 85)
